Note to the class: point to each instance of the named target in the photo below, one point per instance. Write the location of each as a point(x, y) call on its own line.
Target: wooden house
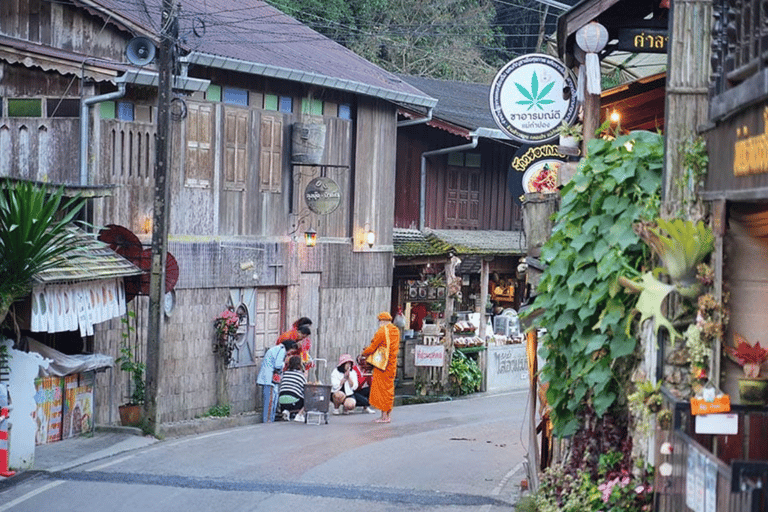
point(276, 131)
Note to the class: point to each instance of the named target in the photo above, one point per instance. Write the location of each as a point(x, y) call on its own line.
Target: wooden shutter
point(199, 161)
point(235, 147)
point(452, 194)
point(271, 153)
point(462, 205)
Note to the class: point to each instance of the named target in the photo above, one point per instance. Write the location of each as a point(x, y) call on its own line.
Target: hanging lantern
point(592, 38)
point(310, 237)
point(580, 57)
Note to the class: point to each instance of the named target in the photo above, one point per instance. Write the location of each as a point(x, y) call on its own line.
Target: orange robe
point(383, 386)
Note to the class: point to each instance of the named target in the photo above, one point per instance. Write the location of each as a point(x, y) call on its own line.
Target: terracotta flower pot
point(130, 415)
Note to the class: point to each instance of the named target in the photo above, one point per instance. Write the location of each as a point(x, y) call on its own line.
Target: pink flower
point(639, 489)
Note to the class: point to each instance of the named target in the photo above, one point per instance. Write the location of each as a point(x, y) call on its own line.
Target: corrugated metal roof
point(88, 261)
point(254, 37)
point(414, 243)
point(462, 103)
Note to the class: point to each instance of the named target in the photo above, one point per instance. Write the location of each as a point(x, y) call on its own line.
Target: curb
point(204, 425)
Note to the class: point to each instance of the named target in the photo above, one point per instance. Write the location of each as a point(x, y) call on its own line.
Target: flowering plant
point(226, 323)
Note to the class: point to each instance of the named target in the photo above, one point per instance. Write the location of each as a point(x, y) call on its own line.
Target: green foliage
point(464, 375)
point(441, 38)
point(130, 363)
point(33, 236)
point(219, 411)
point(592, 244)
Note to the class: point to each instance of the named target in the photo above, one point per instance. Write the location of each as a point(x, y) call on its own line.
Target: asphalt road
point(465, 454)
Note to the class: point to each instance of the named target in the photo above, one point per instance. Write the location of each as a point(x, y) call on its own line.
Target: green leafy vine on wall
point(587, 348)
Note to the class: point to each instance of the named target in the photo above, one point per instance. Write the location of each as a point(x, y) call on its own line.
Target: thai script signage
point(531, 96)
point(750, 154)
point(539, 166)
point(643, 40)
point(429, 355)
point(507, 367)
point(322, 195)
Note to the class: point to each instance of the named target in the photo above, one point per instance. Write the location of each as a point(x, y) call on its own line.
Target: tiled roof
point(413, 243)
point(254, 37)
point(89, 261)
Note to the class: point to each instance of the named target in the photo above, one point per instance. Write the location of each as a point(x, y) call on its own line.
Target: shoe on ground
point(346, 412)
point(286, 415)
point(299, 417)
point(369, 410)
point(336, 411)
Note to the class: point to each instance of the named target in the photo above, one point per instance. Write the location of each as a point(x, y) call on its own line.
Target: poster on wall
point(78, 404)
point(531, 96)
point(48, 400)
point(534, 169)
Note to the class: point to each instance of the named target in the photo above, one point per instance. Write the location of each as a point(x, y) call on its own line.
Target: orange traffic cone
point(4, 443)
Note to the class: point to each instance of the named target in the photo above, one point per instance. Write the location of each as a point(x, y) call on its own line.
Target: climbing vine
point(589, 352)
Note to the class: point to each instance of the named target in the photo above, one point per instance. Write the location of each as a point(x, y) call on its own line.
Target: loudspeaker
point(140, 51)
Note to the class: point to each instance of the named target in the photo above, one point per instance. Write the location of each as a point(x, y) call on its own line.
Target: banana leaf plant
point(681, 245)
point(33, 236)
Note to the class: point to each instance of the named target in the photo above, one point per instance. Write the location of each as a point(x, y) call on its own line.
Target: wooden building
point(276, 131)
point(458, 213)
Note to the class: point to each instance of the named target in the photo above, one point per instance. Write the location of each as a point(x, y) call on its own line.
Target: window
point(260, 313)
point(312, 107)
point(345, 111)
point(286, 104)
point(270, 102)
point(271, 153)
point(32, 107)
point(62, 107)
point(235, 147)
point(213, 93)
point(124, 111)
point(235, 96)
point(199, 161)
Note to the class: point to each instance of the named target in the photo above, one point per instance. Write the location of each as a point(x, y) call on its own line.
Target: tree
point(33, 237)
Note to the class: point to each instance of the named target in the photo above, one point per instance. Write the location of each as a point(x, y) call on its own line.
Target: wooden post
point(591, 117)
point(160, 221)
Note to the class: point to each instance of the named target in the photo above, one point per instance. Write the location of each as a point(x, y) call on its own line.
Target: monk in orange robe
point(383, 385)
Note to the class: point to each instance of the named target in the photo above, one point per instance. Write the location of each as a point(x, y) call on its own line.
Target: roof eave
point(254, 68)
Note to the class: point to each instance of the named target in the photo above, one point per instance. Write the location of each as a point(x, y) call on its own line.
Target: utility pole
point(160, 221)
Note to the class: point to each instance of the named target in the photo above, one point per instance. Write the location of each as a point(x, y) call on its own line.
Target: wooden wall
point(499, 210)
point(374, 173)
point(61, 26)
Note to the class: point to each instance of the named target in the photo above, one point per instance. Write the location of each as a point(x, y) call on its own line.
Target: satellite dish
point(140, 51)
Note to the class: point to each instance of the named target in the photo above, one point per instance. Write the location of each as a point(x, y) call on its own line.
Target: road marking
point(111, 463)
point(30, 494)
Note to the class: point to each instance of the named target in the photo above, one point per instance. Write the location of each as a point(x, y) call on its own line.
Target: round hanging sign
point(322, 195)
point(531, 96)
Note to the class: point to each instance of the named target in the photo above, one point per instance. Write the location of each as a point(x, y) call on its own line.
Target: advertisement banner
point(429, 355)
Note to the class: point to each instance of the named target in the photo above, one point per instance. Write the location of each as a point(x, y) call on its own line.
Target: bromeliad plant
point(750, 357)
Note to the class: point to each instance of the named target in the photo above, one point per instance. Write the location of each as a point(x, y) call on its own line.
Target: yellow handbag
point(380, 357)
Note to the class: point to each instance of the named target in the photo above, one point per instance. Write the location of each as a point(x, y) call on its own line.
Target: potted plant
point(570, 135)
point(752, 388)
point(130, 412)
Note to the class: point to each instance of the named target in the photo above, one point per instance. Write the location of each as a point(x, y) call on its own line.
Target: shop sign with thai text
point(322, 195)
point(531, 96)
point(429, 355)
point(643, 40)
point(750, 154)
point(537, 166)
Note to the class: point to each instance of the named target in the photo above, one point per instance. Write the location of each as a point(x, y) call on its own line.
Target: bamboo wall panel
point(40, 149)
point(687, 105)
point(349, 320)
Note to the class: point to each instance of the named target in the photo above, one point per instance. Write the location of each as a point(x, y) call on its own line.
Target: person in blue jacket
point(269, 376)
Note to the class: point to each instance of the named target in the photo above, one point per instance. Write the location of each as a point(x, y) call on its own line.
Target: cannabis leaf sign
point(535, 98)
